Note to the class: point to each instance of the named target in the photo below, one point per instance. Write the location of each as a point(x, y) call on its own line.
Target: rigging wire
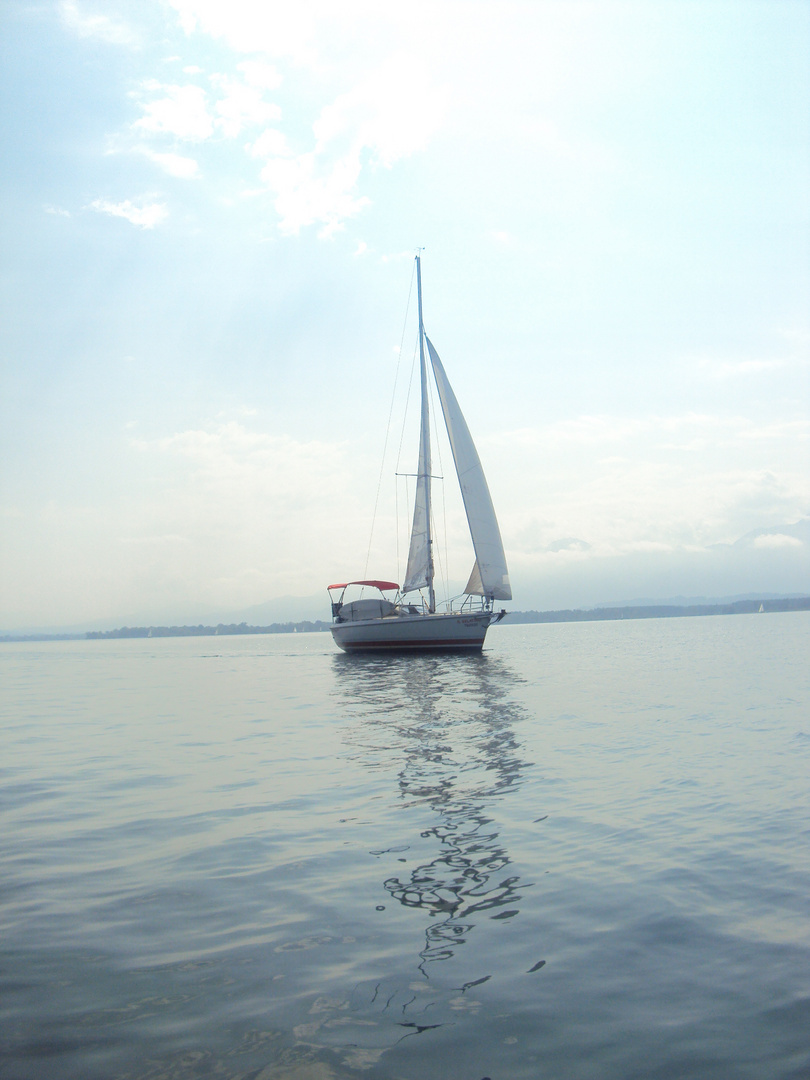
point(446, 563)
point(396, 523)
point(407, 402)
point(397, 473)
point(388, 426)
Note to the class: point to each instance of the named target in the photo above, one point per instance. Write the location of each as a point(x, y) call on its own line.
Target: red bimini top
point(383, 586)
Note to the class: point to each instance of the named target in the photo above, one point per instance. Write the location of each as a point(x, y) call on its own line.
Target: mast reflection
point(449, 724)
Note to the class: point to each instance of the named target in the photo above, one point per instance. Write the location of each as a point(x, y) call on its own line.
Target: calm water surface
point(583, 854)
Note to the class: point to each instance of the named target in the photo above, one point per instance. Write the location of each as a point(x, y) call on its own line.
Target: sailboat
point(401, 622)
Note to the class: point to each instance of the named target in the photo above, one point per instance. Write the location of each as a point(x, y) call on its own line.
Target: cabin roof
point(383, 586)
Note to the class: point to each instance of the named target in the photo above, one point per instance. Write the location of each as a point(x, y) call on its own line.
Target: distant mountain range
point(702, 601)
point(769, 563)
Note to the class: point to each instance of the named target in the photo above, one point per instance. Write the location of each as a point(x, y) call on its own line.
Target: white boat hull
point(455, 631)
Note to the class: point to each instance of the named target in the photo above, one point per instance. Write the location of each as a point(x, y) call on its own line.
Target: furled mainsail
point(419, 572)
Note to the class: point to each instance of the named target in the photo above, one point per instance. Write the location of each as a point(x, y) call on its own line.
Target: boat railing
point(475, 603)
point(461, 604)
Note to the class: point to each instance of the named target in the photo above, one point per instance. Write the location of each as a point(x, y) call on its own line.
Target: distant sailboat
point(369, 624)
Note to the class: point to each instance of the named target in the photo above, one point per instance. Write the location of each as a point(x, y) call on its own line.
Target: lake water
point(582, 854)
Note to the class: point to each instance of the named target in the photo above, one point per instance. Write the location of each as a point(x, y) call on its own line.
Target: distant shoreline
point(604, 614)
point(220, 630)
point(662, 611)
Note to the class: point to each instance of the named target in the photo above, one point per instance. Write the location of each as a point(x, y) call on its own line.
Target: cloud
point(798, 430)
point(686, 481)
point(720, 368)
point(379, 102)
point(777, 540)
point(246, 499)
point(166, 538)
point(726, 369)
point(295, 32)
point(379, 121)
point(186, 112)
point(259, 74)
point(241, 106)
point(371, 100)
point(146, 216)
point(270, 144)
point(182, 112)
point(569, 543)
point(233, 460)
point(96, 26)
point(307, 193)
point(184, 168)
point(392, 112)
point(688, 431)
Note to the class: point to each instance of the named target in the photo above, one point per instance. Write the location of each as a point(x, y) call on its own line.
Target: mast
point(424, 440)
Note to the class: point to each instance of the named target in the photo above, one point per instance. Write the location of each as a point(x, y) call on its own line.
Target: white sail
point(474, 586)
point(489, 576)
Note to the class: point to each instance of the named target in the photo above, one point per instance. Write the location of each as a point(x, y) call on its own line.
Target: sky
point(210, 210)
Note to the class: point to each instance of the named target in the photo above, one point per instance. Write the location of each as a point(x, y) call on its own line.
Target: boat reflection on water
point(447, 725)
point(438, 732)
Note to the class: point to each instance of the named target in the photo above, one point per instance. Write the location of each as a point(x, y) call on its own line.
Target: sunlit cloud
point(390, 109)
point(728, 368)
point(230, 453)
point(272, 143)
point(184, 168)
point(182, 111)
point(234, 490)
point(690, 431)
point(617, 482)
point(294, 32)
point(307, 194)
point(777, 540)
point(94, 25)
point(376, 123)
point(393, 111)
point(165, 538)
point(798, 338)
point(146, 216)
point(259, 74)
point(241, 106)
